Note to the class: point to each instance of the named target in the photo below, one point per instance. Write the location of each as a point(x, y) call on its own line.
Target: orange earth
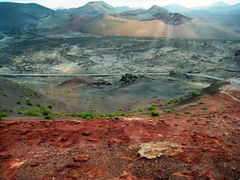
point(67, 148)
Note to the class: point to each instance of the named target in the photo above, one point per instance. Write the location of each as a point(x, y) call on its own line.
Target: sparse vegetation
point(39, 112)
point(175, 100)
point(89, 116)
point(194, 105)
point(170, 110)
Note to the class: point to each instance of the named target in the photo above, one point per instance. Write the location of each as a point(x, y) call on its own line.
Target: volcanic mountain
point(17, 15)
point(156, 21)
point(100, 18)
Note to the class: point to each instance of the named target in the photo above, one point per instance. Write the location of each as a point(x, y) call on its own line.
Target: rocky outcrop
point(100, 84)
point(130, 78)
point(154, 150)
point(237, 57)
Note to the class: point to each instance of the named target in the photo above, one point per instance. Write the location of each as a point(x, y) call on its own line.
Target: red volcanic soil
point(105, 149)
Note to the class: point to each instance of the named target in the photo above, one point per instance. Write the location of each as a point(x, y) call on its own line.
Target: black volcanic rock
point(237, 57)
point(130, 78)
point(237, 53)
point(100, 84)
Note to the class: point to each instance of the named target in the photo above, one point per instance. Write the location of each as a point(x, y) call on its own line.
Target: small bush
point(3, 114)
point(196, 93)
point(187, 112)
point(49, 117)
point(152, 108)
point(155, 113)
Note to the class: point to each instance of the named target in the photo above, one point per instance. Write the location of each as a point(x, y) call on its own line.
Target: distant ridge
point(176, 8)
point(218, 20)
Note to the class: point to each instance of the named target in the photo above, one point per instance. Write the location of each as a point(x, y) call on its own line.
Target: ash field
point(118, 57)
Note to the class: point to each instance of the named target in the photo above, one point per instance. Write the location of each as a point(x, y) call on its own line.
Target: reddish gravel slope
point(105, 149)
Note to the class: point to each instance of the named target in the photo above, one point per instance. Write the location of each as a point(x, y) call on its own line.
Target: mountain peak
point(93, 8)
point(99, 3)
point(157, 9)
point(218, 4)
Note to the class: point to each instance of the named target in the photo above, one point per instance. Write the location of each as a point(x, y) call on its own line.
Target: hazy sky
point(131, 3)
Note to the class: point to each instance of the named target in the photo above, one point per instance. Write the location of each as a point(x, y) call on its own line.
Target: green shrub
point(3, 114)
point(49, 117)
point(155, 113)
point(31, 113)
point(196, 93)
point(152, 108)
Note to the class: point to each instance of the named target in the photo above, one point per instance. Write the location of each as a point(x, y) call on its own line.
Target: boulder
point(154, 150)
point(128, 78)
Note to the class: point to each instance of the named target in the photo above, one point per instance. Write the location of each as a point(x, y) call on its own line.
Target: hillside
point(200, 141)
point(154, 13)
point(109, 25)
point(219, 13)
point(17, 15)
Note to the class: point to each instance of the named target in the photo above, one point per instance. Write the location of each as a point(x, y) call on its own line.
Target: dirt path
point(105, 149)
